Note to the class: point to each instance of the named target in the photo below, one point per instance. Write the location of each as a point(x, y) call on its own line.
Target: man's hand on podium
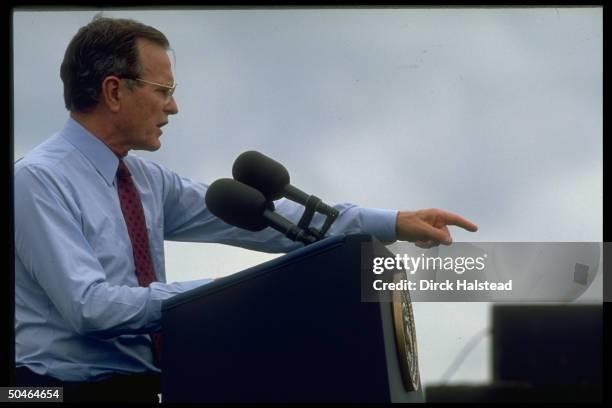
point(428, 228)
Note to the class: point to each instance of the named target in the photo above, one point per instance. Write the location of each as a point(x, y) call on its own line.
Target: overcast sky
point(495, 114)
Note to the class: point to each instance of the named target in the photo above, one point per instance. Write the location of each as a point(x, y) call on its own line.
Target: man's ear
point(112, 93)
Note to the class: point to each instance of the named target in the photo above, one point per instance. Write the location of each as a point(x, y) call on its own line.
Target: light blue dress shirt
point(80, 313)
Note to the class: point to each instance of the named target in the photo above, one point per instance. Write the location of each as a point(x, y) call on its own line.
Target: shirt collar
point(99, 154)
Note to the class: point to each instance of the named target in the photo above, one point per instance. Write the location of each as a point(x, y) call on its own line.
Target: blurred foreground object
point(541, 353)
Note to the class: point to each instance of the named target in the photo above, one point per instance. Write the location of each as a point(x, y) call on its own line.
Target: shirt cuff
point(379, 223)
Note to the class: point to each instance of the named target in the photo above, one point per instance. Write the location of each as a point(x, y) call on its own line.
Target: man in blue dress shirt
point(82, 319)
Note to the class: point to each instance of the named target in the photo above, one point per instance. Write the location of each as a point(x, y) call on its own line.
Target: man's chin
point(149, 147)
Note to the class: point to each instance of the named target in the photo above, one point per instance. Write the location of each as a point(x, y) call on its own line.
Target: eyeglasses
point(169, 89)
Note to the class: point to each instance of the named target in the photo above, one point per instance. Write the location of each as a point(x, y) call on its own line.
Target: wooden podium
point(294, 329)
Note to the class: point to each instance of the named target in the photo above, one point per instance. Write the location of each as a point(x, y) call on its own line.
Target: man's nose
point(171, 108)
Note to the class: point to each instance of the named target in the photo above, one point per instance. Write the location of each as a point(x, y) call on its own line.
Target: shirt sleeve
point(187, 219)
point(51, 245)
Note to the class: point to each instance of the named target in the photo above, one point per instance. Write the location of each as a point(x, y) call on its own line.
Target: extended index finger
point(459, 221)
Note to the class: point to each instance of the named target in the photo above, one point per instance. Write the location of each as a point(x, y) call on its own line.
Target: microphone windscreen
point(236, 204)
point(262, 173)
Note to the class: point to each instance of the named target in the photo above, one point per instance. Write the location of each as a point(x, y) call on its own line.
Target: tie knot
point(122, 171)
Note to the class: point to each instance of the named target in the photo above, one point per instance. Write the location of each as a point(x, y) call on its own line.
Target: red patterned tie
point(131, 206)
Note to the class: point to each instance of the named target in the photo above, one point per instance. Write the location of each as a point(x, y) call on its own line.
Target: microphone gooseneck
point(272, 179)
point(245, 207)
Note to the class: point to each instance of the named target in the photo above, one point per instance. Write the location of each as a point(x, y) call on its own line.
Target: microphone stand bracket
point(310, 208)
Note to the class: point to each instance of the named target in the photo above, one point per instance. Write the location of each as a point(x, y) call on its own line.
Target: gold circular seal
point(405, 337)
